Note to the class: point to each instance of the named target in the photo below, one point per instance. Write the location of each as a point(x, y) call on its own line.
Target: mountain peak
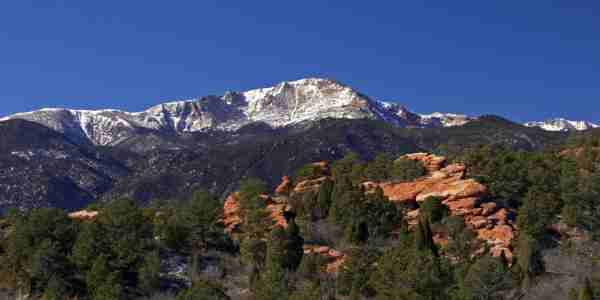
point(284, 104)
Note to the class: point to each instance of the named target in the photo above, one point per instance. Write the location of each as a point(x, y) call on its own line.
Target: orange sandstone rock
point(284, 187)
point(84, 215)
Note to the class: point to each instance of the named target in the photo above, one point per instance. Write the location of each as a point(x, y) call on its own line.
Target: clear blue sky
point(521, 59)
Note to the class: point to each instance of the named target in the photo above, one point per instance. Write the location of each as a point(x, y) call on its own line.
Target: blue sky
point(524, 60)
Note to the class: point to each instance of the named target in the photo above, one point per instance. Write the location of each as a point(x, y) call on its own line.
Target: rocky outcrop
point(431, 162)
point(285, 186)
point(232, 213)
point(463, 197)
point(309, 185)
point(333, 258)
point(84, 215)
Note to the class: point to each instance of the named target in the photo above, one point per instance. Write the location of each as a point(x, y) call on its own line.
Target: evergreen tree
point(110, 289)
point(380, 214)
point(404, 272)
point(537, 212)
point(97, 275)
point(310, 291)
point(569, 186)
point(202, 216)
point(87, 246)
point(433, 209)
point(149, 273)
point(355, 272)
point(573, 294)
point(324, 198)
point(203, 290)
point(356, 232)
point(127, 235)
point(586, 292)
point(486, 278)
point(273, 284)
point(378, 169)
point(590, 218)
point(342, 187)
point(256, 222)
point(424, 237)
point(403, 170)
point(294, 246)
point(529, 257)
point(461, 240)
point(56, 289)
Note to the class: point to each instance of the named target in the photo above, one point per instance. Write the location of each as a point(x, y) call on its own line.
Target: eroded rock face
point(463, 197)
point(232, 213)
point(309, 185)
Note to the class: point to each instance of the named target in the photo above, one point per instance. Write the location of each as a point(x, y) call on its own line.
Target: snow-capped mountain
point(285, 104)
point(445, 119)
point(560, 124)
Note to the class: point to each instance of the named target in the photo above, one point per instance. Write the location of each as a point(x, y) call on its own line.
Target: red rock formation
point(309, 185)
point(84, 215)
point(463, 197)
point(333, 259)
point(231, 213)
point(284, 187)
point(232, 218)
point(431, 162)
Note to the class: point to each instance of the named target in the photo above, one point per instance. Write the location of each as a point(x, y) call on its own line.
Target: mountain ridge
point(287, 103)
point(284, 104)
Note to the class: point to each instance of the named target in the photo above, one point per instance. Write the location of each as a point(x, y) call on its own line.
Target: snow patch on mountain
point(564, 125)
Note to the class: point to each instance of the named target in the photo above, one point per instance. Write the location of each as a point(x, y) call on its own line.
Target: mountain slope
point(40, 167)
point(218, 161)
point(285, 104)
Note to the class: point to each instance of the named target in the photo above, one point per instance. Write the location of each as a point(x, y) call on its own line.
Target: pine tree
point(569, 186)
point(310, 291)
point(273, 284)
point(203, 290)
point(424, 237)
point(56, 289)
point(294, 246)
point(573, 294)
point(355, 272)
point(148, 275)
point(97, 275)
point(586, 292)
point(324, 198)
point(87, 246)
point(486, 277)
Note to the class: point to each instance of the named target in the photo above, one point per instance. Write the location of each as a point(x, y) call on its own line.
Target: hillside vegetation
point(332, 231)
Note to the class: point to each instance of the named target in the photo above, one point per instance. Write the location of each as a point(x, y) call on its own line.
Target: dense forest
point(126, 250)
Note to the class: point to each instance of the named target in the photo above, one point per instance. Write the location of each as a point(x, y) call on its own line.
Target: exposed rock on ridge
point(463, 197)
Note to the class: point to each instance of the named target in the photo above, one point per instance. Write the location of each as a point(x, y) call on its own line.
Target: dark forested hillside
point(41, 168)
point(54, 171)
